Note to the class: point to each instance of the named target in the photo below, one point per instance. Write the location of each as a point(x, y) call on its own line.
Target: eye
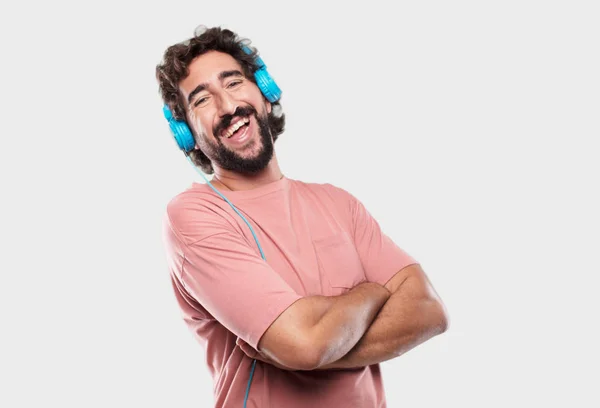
point(234, 83)
point(201, 101)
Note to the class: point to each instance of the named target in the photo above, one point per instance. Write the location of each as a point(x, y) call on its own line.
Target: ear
point(269, 107)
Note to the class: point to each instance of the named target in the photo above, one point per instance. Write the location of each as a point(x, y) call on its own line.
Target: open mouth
point(236, 128)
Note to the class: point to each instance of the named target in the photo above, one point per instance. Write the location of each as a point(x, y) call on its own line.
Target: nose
point(226, 104)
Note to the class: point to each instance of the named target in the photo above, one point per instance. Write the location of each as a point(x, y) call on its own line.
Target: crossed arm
point(367, 325)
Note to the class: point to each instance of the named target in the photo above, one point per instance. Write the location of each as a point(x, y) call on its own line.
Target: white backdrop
point(469, 130)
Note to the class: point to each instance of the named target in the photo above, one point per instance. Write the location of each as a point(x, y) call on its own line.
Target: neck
point(232, 181)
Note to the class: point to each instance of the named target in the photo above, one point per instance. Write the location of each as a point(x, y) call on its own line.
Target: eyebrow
point(222, 76)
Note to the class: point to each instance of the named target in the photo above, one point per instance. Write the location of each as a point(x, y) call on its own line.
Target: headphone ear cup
point(267, 85)
point(180, 130)
point(183, 135)
point(265, 82)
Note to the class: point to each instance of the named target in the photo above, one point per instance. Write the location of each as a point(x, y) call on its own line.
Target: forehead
point(205, 69)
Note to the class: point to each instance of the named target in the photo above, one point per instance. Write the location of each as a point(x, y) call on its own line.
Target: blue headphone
point(182, 133)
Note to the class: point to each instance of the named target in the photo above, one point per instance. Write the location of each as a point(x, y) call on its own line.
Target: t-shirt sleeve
point(227, 276)
point(381, 257)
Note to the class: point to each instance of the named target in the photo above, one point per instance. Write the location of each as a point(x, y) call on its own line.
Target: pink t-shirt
point(318, 239)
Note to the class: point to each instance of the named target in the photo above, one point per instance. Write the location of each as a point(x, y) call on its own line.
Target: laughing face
point(227, 113)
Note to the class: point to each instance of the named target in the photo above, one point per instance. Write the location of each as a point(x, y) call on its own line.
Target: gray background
point(468, 129)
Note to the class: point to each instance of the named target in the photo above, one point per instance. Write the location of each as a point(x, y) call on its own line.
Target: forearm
point(404, 322)
point(346, 321)
point(318, 330)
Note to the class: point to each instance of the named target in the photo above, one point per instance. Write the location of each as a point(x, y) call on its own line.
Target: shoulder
point(193, 214)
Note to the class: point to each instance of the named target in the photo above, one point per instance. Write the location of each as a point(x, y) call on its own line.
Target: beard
point(227, 159)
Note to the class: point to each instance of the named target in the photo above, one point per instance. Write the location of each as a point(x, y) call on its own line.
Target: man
point(310, 287)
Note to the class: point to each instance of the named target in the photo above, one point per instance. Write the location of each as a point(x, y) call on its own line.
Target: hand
point(256, 355)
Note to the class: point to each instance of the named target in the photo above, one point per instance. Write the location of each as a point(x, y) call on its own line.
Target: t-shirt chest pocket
point(339, 264)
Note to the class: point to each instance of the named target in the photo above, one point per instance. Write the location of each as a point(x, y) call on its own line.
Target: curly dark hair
point(175, 67)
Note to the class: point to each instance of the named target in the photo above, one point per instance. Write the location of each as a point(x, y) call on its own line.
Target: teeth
point(231, 130)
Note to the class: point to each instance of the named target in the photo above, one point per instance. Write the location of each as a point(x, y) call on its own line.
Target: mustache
point(241, 111)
